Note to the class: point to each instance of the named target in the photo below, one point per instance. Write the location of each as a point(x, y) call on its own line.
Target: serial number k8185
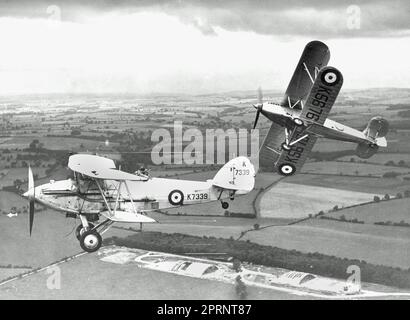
point(222, 309)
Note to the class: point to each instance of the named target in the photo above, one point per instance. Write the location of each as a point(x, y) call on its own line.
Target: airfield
point(329, 208)
point(123, 273)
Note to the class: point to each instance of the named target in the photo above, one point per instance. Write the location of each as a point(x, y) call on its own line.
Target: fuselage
point(331, 129)
point(85, 197)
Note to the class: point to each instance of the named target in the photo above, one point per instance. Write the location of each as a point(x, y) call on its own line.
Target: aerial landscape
point(363, 219)
point(204, 156)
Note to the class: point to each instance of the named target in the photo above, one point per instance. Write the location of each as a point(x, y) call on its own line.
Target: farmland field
point(289, 200)
point(382, 158)
point(350, 168)
point(54, 143)
point(394, 210)
point(375, 244)
point(351, 183)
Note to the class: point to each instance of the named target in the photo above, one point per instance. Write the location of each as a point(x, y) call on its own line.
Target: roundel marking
point(330, 77)
point(176, 197)
point(287, 169)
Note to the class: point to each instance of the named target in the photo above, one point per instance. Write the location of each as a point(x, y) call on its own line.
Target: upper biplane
point(100, 189)
point(301, 117)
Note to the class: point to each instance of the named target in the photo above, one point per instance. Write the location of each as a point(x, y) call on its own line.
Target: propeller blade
point(31, 196)
point(30, 179)
point(257, 118)
point(31, 215)
point(260, 96)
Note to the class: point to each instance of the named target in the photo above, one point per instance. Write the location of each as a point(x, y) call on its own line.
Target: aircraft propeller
point(258, 107)
point(30, 195)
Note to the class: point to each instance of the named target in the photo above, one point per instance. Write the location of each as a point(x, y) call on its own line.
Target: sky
point(195, 46)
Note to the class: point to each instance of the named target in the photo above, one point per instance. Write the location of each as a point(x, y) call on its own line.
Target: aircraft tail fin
point(238, 175)
point(376, 130)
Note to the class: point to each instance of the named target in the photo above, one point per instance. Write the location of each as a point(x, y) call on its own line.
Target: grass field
point(18, 173)
point(55, 143)
point(382, 158)
point(376, 244)
point(350, 168)
point(394, 210)
point(351, 183)
point(289, 200)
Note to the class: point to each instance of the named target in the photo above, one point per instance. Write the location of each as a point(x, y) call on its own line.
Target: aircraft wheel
point(225, 205)
point(80, 230)
point(90, 241)
point(298, 122)
point(285, 146)
point(287, 169)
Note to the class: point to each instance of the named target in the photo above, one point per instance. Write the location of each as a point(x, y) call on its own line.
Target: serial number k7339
point(197, 196)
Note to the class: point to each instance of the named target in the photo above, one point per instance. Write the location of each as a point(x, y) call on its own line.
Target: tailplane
point(238, 175)
point(376, 130)
point(375, 133)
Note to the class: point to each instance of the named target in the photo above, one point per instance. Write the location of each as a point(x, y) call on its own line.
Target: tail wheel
point(225, 205)
point(90, 241)
point(80, 230)
point(287, 169)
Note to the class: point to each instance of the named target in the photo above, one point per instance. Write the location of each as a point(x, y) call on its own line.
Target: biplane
point(301, 117)
point(99, 189)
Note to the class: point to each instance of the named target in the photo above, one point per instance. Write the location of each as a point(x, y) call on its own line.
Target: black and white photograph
point(204, 150)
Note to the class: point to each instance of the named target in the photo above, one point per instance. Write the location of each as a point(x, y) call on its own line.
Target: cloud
point(318, 18)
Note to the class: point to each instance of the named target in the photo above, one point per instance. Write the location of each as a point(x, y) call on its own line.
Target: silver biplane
point(100, 189)
point(301, 117)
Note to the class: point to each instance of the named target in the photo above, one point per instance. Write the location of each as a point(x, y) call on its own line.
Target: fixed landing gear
point(285, 146)
point(90, 241)
point(225, 205)
point(90, 235)
point(81, 229)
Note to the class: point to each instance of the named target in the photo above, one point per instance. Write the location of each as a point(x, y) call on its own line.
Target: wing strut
point(129, 195)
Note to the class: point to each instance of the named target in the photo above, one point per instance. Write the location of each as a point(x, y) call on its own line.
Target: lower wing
point(271, 146)
point(292, 160)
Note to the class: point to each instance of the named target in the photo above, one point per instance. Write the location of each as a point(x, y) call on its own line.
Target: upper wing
point(99, 168)
point(322, 96)
point(270, 150)
point(315, 56)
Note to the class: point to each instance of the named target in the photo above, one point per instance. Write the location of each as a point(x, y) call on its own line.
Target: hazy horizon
point(195, 47)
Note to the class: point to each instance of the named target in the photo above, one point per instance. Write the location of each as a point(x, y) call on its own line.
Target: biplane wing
point(322, 96)
point(99, 168)
point(315, 56)
point(126, 217)
point(318, 104)
point(291, 161)
point(271, 146)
